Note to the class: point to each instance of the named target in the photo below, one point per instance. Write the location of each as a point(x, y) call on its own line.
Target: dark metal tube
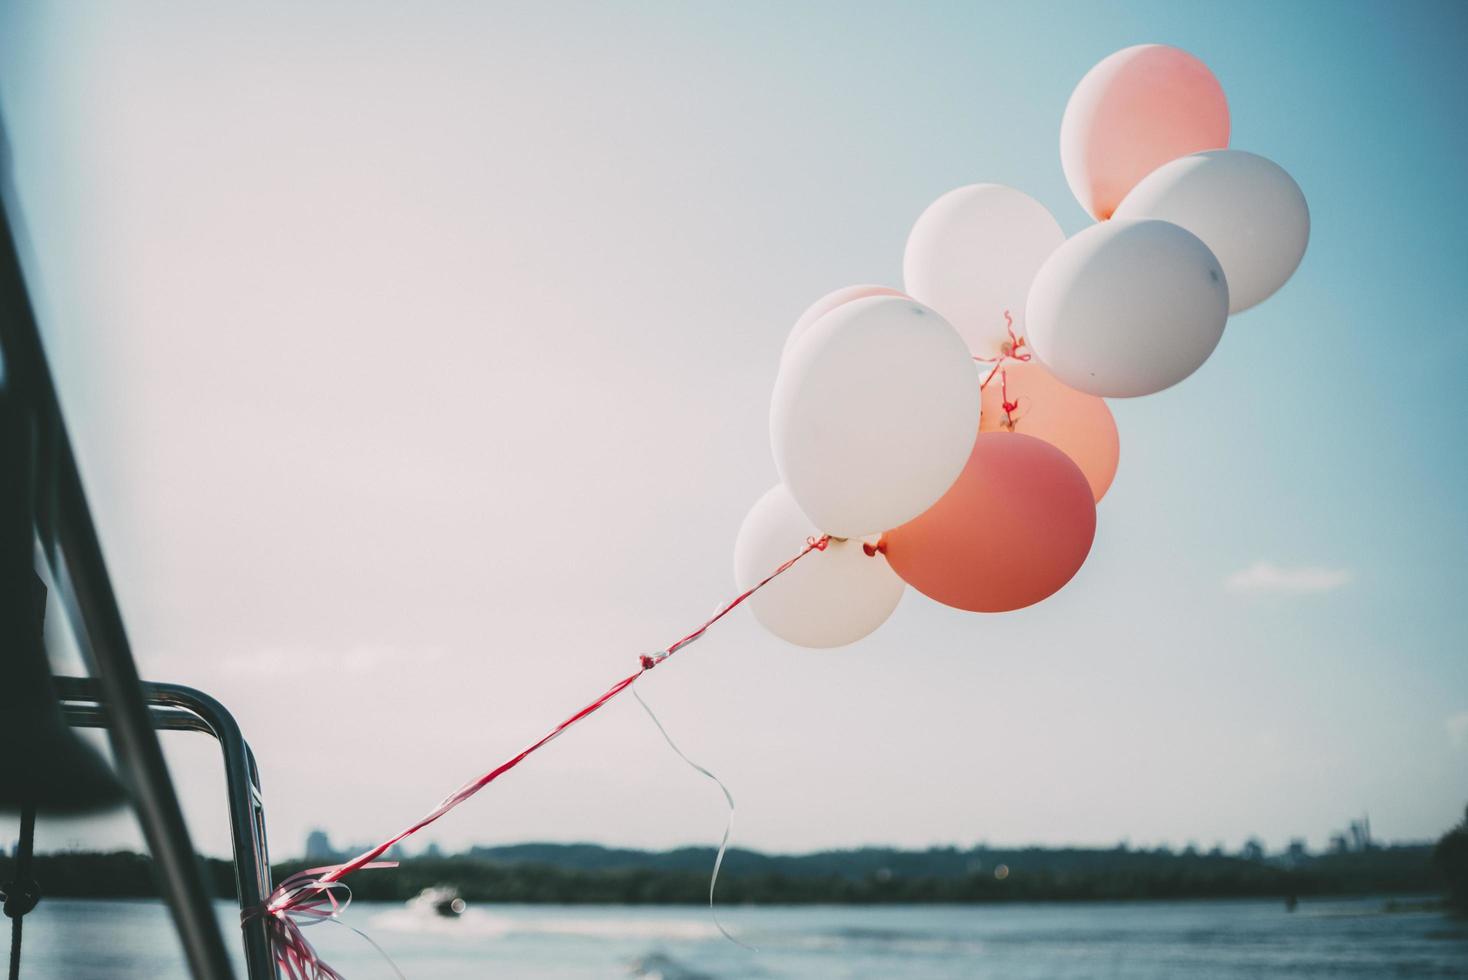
point(80, 573)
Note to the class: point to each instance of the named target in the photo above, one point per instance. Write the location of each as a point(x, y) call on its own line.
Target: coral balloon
point(828, 598)
point(1014, 528)
point(873, 415)
point(827, 303)
point(972, 255)
point(1127, 308)
point(1133, 112)
point(1039, 405)
point(1244, 207)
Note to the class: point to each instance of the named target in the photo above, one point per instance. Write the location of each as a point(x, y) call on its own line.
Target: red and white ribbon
point(318, 894)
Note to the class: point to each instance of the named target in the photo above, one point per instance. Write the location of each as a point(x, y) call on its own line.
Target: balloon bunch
point(953, 436)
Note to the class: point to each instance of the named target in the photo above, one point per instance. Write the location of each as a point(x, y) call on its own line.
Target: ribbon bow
point(304, 899)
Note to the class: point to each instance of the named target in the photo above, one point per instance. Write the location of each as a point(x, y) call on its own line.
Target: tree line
point(585, 874)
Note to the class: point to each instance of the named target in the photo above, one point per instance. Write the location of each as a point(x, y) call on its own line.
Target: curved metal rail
point(173, 707)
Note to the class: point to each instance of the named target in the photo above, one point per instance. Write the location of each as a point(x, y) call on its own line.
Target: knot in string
point(305, 899)
point(1013, 349)
point(1004, 402)
point(306, 895)
point(651, 660)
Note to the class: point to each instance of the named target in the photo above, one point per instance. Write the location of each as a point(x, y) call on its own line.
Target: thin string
point(811, 544)
point(1013, 350)
point(307, 895)
point(728, 825)
point(373, 943)
point(1009, 406)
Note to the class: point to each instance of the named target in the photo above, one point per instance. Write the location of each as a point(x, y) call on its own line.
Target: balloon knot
point(820, 543)
point(873, 550)
point(1012, 349)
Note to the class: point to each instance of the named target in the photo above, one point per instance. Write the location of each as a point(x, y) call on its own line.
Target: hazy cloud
point(1266, 576)
point(1457, 726)
point(294, 661)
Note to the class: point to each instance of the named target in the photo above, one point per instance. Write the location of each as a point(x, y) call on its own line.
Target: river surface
point(81, 940)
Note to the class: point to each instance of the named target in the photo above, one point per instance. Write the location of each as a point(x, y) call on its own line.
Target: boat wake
point(478, 923)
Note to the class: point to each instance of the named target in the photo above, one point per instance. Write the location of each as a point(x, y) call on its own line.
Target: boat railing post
point(174, 707)
point(74, 553)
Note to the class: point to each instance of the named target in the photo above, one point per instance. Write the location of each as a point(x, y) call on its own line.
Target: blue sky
point(420, 360)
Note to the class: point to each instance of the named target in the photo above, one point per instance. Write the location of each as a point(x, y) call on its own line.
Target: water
point(75, 939)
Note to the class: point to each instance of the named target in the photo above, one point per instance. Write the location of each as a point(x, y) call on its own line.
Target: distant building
point(318, 846)
point(1355, 840)
point(432, 851)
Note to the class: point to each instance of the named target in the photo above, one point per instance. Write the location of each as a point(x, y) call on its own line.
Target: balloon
point(1244, 207)
point(873, 415)
point(971, 257)
point(828, 598)
point(1127, 308)
point(826, 304)
point(1078, 424)
point(1133, 112)
point(1016, 527)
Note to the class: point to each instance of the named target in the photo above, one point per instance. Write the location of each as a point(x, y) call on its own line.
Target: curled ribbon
point(728, 825)
point(1014, 350)
point(317, 894)
point(306, 900)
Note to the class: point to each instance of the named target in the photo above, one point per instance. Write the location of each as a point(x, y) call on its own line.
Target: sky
point(418, 359)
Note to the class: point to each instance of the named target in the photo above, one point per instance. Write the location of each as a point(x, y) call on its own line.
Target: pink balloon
point(1078, 424)
point(1138, 109)
point(1013, 529)
point(829, 302)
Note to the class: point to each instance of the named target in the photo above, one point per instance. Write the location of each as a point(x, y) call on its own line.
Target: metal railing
point(79, 573)
point(173, 707)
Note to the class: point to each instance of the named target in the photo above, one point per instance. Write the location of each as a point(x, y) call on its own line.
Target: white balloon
point(972, 255)
point(874, 414)
point(827, 303)
point(1127, 308)
point(827, 599)
point(1244, 207)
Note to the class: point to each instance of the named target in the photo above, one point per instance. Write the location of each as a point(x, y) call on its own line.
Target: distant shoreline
point(580, 874)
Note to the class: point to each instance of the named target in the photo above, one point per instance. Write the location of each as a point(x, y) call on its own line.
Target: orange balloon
point(1013, 529)
point(1078, 424)
point(1138, 109)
